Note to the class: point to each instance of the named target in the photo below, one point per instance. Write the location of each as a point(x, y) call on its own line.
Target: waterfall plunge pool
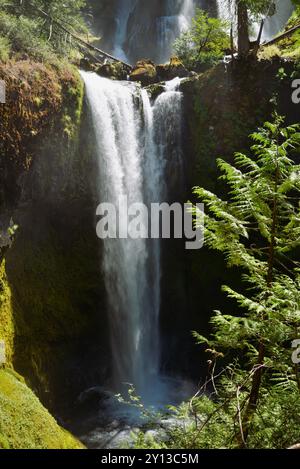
point(104, 421)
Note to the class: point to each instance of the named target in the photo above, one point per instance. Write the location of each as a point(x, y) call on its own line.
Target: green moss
point(73, 96)
point(24, 422)
point(5, 49)
point(155, 90)
point(7, 329)
point(49, 283)
point(288, 47)
point(54, 305)
point(221, 113)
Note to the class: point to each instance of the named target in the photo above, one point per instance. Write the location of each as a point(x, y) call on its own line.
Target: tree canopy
point(204, 43)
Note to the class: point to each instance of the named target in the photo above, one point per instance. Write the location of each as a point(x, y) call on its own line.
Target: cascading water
point(124, 9)
point(167, 112)
point(226, 9)
point(144, 29)
point(172, 23)
point(134, 141)
point(276, 22)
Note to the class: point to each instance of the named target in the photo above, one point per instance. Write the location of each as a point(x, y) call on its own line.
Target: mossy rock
point(7, 328)
point(40, 100)
point(172, 70)
point(155, 90)
point(50, 296)
point(116, 71)
point(144, 72)
point(24, 422)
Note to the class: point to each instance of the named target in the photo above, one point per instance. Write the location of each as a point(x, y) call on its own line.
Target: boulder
point(155, 90)
point(144, 72)
point(86, 65)
point(173, 69)
point(115, 71)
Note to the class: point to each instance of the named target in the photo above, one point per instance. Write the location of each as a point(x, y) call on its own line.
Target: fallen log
point(100, 52)
point(281, 36)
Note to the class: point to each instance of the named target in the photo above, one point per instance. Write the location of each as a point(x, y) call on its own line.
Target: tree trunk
point(243, 29)
point(257, 45)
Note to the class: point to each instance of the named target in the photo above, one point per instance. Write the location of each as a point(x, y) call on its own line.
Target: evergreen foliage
point(27, 31)
point(254, 384)
point(257, 230)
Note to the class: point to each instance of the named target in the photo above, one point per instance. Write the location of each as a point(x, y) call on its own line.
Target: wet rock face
point(104, 20)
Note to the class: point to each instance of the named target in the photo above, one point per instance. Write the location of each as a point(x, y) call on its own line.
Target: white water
point(134, 141)
point(226, 9)
point(175, 17)
point(167, 113)
point(171, 25)
point(274, 24)
point(123, 13)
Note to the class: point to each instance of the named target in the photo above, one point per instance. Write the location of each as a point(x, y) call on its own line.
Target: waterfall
point(273, 24)
point(169, 26)
point(124, 9)
point(146, 29)
point(133, 140)
point(226, 9)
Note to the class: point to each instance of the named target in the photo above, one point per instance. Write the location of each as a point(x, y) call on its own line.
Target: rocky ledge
point(144, 71)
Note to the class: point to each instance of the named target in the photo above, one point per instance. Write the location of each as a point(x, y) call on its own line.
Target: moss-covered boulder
point(87, 65)
point(155, 90)
point(24, 422)
point(116, 71)
point(144, 72)
point(173, 69)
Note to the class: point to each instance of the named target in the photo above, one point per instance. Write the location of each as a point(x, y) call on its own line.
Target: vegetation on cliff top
point(27, 32)
point(287, 47)
point(204, 44)
point(209, 39)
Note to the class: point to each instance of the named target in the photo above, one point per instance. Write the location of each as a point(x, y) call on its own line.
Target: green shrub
point(203, 45)
point(31, 34)
point(5, 49)
point(24, 36)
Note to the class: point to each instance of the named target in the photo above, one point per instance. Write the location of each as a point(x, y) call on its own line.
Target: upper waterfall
point(124, 9)
point(273, 24)
point(136, 29)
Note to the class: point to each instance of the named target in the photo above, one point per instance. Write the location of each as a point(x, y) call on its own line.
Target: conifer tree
point(258, 230)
